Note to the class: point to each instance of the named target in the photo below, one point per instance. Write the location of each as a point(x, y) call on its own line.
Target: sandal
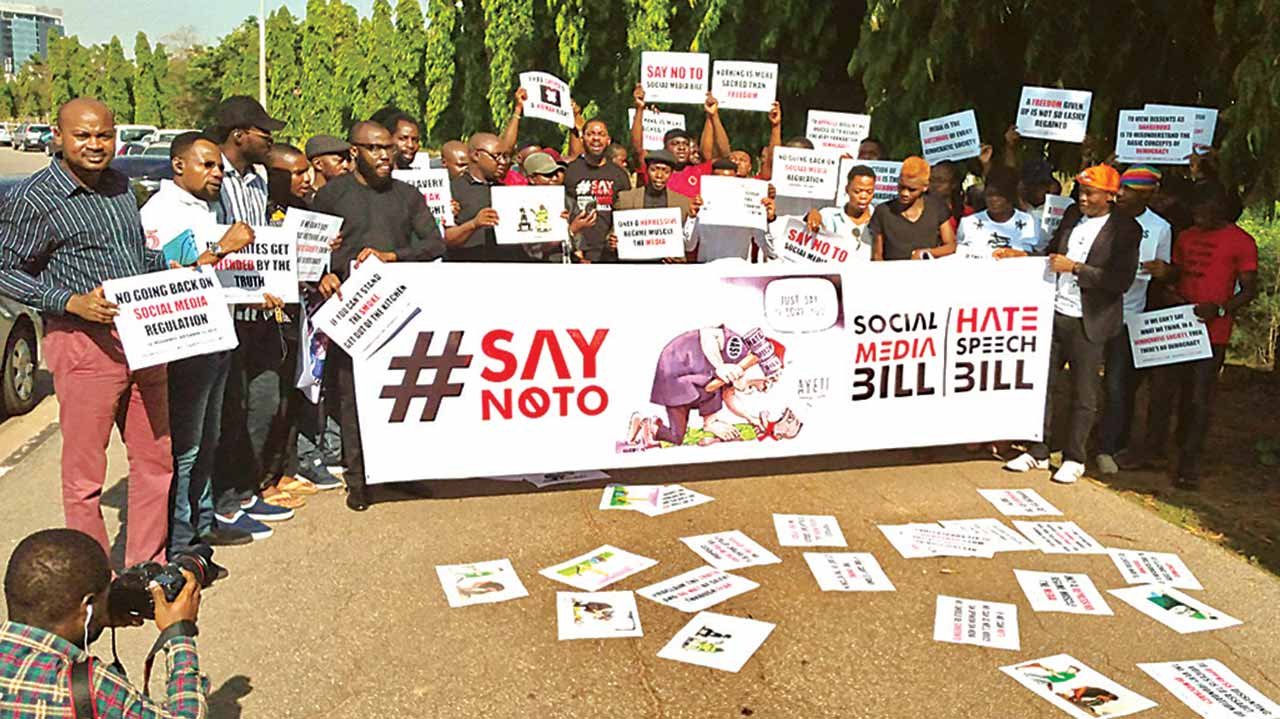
point(278, 498)
point(297, 486)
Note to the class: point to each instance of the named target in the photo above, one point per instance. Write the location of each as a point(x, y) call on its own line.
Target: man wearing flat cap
point(330, 157)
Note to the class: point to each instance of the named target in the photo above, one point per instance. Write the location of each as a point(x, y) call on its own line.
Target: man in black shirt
point(472, 238)
point(383, 218)
point(594, 183)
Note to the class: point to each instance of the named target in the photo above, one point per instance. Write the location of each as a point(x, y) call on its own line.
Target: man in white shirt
point(169, 220)
point(850, 221)
point(1001, 227)
point(719, 242)
point(1137, 185)
point(1094, 255)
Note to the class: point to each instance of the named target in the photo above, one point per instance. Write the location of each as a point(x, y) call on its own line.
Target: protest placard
point(598, 568)
point(1055, 206)
point(917, 540)
point(630, 496)
point(1059, 537)
point(842, 131)
point(1052, 114)
point(1069, 684)
point(651, 234)
point(798, 244)
point(368, 312)
point(697, 589)
point(314, 231)
point(741, 85)
point(1019, 502)
point(676, 77)
point(548, 98)
point(1211, 690)
point(268, 265)
point(673, 498)
point(808, 530)
point(1204, 121)
point(656, 125)
point(997, 537)
point(1172, 608)
point(847, 572)
point(887, 172)
point(950, 137)
point(1058, 592)
point(170, 315)
point(730, 550)
point(597, 615)
point(977, 622)
point(717, 641)
point(480, 583)
point(1139, 567)
point(529, 214)
point(812, 174)
point(733, 201)
point(1161, 138)
point(435, 189)
point(1169, 336)
point(551, 479)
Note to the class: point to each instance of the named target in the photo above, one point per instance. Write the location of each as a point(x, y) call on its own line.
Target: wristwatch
point(1222, 311)
point(217, 250)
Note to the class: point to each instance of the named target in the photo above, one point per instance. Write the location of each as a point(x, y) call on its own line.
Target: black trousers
point(1122, 387)
point(1071, 346)
point(1194, 385)
point(348, 420)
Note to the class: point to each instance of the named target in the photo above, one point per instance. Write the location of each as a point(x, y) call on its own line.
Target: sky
point(95, 21)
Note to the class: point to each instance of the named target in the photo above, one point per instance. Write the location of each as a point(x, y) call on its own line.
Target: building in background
point(24, 31)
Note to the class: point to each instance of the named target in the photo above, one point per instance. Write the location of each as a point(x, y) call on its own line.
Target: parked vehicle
point(130, 148)
point(157, 149)
point(144, 173)
point(6, 136)
point(31, 139)
point(20, 331)
point(51, 145)
point(167, 135)
point(125, 134)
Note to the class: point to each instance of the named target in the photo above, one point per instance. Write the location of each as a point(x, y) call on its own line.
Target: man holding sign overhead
point(713, 144)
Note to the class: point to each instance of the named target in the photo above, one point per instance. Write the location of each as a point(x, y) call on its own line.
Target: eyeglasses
point(260, 133)
point(375, 149)
point(499, 157)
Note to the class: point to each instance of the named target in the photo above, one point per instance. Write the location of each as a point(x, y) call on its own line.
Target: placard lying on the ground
point(1211, 690)
point(887, 172)
point(717, 641)
point(597, 615)
point(998, 537)
point(1139, 567)
point(1055, 206)
point(1204, 121)
point(811, 174)
point(843, 131)
point(1172, 608)
point(268, 265)
point(598, 568)
point(480, 583)
point(1052, 114)
point(1169, 336)
point(950, 137)
point(808, 530)
point(918, 540)
point(798, 244)
point(847, 572)
point(1070, 685)
point(697, 589)
point(739, 85)
point(734, 201)
point(730, 550)
point(1019, 502)
point(1162, 138)
point(552, 479)
point(823, 350)
point(435, 189)
point(548, 98)
point(315, 231)
point(673, 498)
point(973, 621)
point(1058, 592)
point(368, 312)
point(651, 234)
point(170, 315)
point(529, 214)
point(1060, 537)
point(630, 496)
point(676, 77)
point(656, 125)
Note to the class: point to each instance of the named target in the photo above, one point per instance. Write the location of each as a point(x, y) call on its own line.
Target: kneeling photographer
point(60, 597)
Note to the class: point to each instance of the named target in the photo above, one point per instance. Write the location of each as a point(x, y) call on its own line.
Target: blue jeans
point(195, 414)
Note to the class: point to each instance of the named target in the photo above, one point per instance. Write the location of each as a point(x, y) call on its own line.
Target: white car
point(6, 136)
point(126, 134)
point(166, 136)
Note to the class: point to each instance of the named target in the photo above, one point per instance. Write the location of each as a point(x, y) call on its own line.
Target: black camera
point(129, 593)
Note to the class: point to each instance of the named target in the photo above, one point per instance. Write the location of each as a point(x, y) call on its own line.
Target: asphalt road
point(20, 163)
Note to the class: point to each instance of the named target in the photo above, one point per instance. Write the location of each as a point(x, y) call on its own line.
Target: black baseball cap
point(676, 133)
point(244, 111)
point(660, 157)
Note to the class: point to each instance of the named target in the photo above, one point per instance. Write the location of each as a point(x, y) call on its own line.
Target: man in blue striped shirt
point(63, 232)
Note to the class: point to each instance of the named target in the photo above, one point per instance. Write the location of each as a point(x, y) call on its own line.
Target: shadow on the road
point(224, 702)
point(117, 497)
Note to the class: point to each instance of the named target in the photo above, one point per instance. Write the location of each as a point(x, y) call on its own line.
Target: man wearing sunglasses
point(472, 238)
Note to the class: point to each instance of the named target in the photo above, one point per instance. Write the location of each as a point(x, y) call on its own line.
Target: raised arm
point(775, 139)
point(637, 125)
point(576, 147)
point(713, 132)
point(511, 135)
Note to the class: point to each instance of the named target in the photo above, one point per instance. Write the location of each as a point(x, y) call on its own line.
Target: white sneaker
point(1106, 464)
point(1069, 473)
point(1025, 463)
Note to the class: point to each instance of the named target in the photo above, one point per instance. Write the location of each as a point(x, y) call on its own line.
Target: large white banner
point(727, 363)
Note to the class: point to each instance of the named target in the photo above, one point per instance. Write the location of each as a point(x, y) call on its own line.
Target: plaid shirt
point(35, 680)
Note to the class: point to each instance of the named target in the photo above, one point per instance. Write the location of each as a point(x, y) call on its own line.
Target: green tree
point(117, 79)
point(407, 66)
point(571, 20)
point(381, 75)
point(508, 25)
point(8, 100)
point(351, 64)
point(147, 107)
point(319, 90)
point(32, 90)
point(469, 39)
point(284, 73)
point(439, 59)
